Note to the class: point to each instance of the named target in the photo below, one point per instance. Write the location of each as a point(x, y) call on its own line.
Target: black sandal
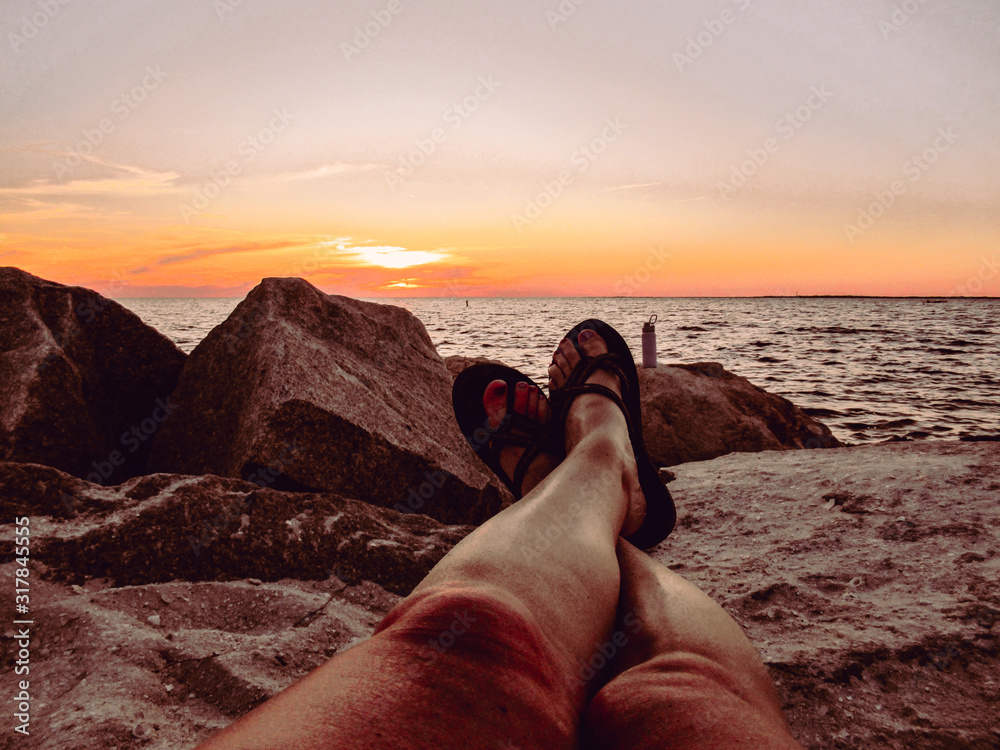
point(661, 515)
point(488, 442)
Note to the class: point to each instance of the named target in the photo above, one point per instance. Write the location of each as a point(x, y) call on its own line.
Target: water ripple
point(902, 368)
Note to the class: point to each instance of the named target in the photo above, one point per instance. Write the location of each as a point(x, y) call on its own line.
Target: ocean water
point(871, 369)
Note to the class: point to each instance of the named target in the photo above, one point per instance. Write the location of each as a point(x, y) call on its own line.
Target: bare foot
point(593, 413)
point(529, 402)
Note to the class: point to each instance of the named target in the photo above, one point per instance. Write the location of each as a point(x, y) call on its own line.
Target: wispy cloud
point(34, 211)
point(633, 186)
point(337, 169)
point(134, 182)
point(205, 252)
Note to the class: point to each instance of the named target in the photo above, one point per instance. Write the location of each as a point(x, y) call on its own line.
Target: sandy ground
point(866, 577)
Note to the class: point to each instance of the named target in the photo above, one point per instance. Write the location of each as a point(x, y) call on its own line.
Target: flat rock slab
point(168, 527)
point(168, 665)
point(867, 578)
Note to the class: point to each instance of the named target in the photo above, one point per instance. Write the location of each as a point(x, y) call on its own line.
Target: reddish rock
point(168, 665)
point(457, 363)
point(169, 527)
point(305, 391)
point(702, 411)
point(84, 383)
point(866, 578)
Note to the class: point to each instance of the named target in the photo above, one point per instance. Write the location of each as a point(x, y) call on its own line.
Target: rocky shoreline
point(206, 529)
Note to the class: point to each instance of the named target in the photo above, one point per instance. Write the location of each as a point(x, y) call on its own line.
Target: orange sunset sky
point(583, 147)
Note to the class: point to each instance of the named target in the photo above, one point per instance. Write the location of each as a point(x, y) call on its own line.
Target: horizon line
point(612, 296)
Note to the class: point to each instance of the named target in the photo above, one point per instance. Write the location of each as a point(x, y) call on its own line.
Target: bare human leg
point(486, 650)
point(687, 677)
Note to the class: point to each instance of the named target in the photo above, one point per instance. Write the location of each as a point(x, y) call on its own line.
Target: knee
point(481, 638)
point(679, 700)
point(648, 703)
point(465, 619)
point(468, 604)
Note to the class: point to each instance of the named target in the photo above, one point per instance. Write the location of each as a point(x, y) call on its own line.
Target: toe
point(495, 402)
point(544, 411)
point(566, 357)
point(521, 398)
point(592, 343)
point(568, 350)
point(556, 377)
point(533, 399)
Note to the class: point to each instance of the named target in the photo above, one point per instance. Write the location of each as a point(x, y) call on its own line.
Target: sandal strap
point(607, 361)
point(571, 394)
point(527, 458)
point(562, 397)
point(537, 440)
point(500, 441)
point(517, 421)
point(505, 436)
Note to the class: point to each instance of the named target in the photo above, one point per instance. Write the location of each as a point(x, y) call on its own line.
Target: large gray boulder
point(84, 383)
point(300, 390)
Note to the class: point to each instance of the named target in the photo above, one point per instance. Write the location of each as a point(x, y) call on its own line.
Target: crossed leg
point(487, 651)
point(687, 677)
point(484, 652)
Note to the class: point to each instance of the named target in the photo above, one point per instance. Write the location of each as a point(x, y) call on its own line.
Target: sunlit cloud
point(393, 257)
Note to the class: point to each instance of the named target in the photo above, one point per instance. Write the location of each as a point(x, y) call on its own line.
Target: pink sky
point(396, 148)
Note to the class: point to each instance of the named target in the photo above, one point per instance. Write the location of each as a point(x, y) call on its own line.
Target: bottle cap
point(650, 327)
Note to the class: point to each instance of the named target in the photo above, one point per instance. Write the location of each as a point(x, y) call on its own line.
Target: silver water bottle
point(649, 343)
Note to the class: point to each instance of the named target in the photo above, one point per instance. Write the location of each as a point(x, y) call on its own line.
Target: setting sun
point(395, 257)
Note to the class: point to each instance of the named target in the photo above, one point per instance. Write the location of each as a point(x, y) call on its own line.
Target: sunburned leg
point(485, 652)
point(687, 677)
